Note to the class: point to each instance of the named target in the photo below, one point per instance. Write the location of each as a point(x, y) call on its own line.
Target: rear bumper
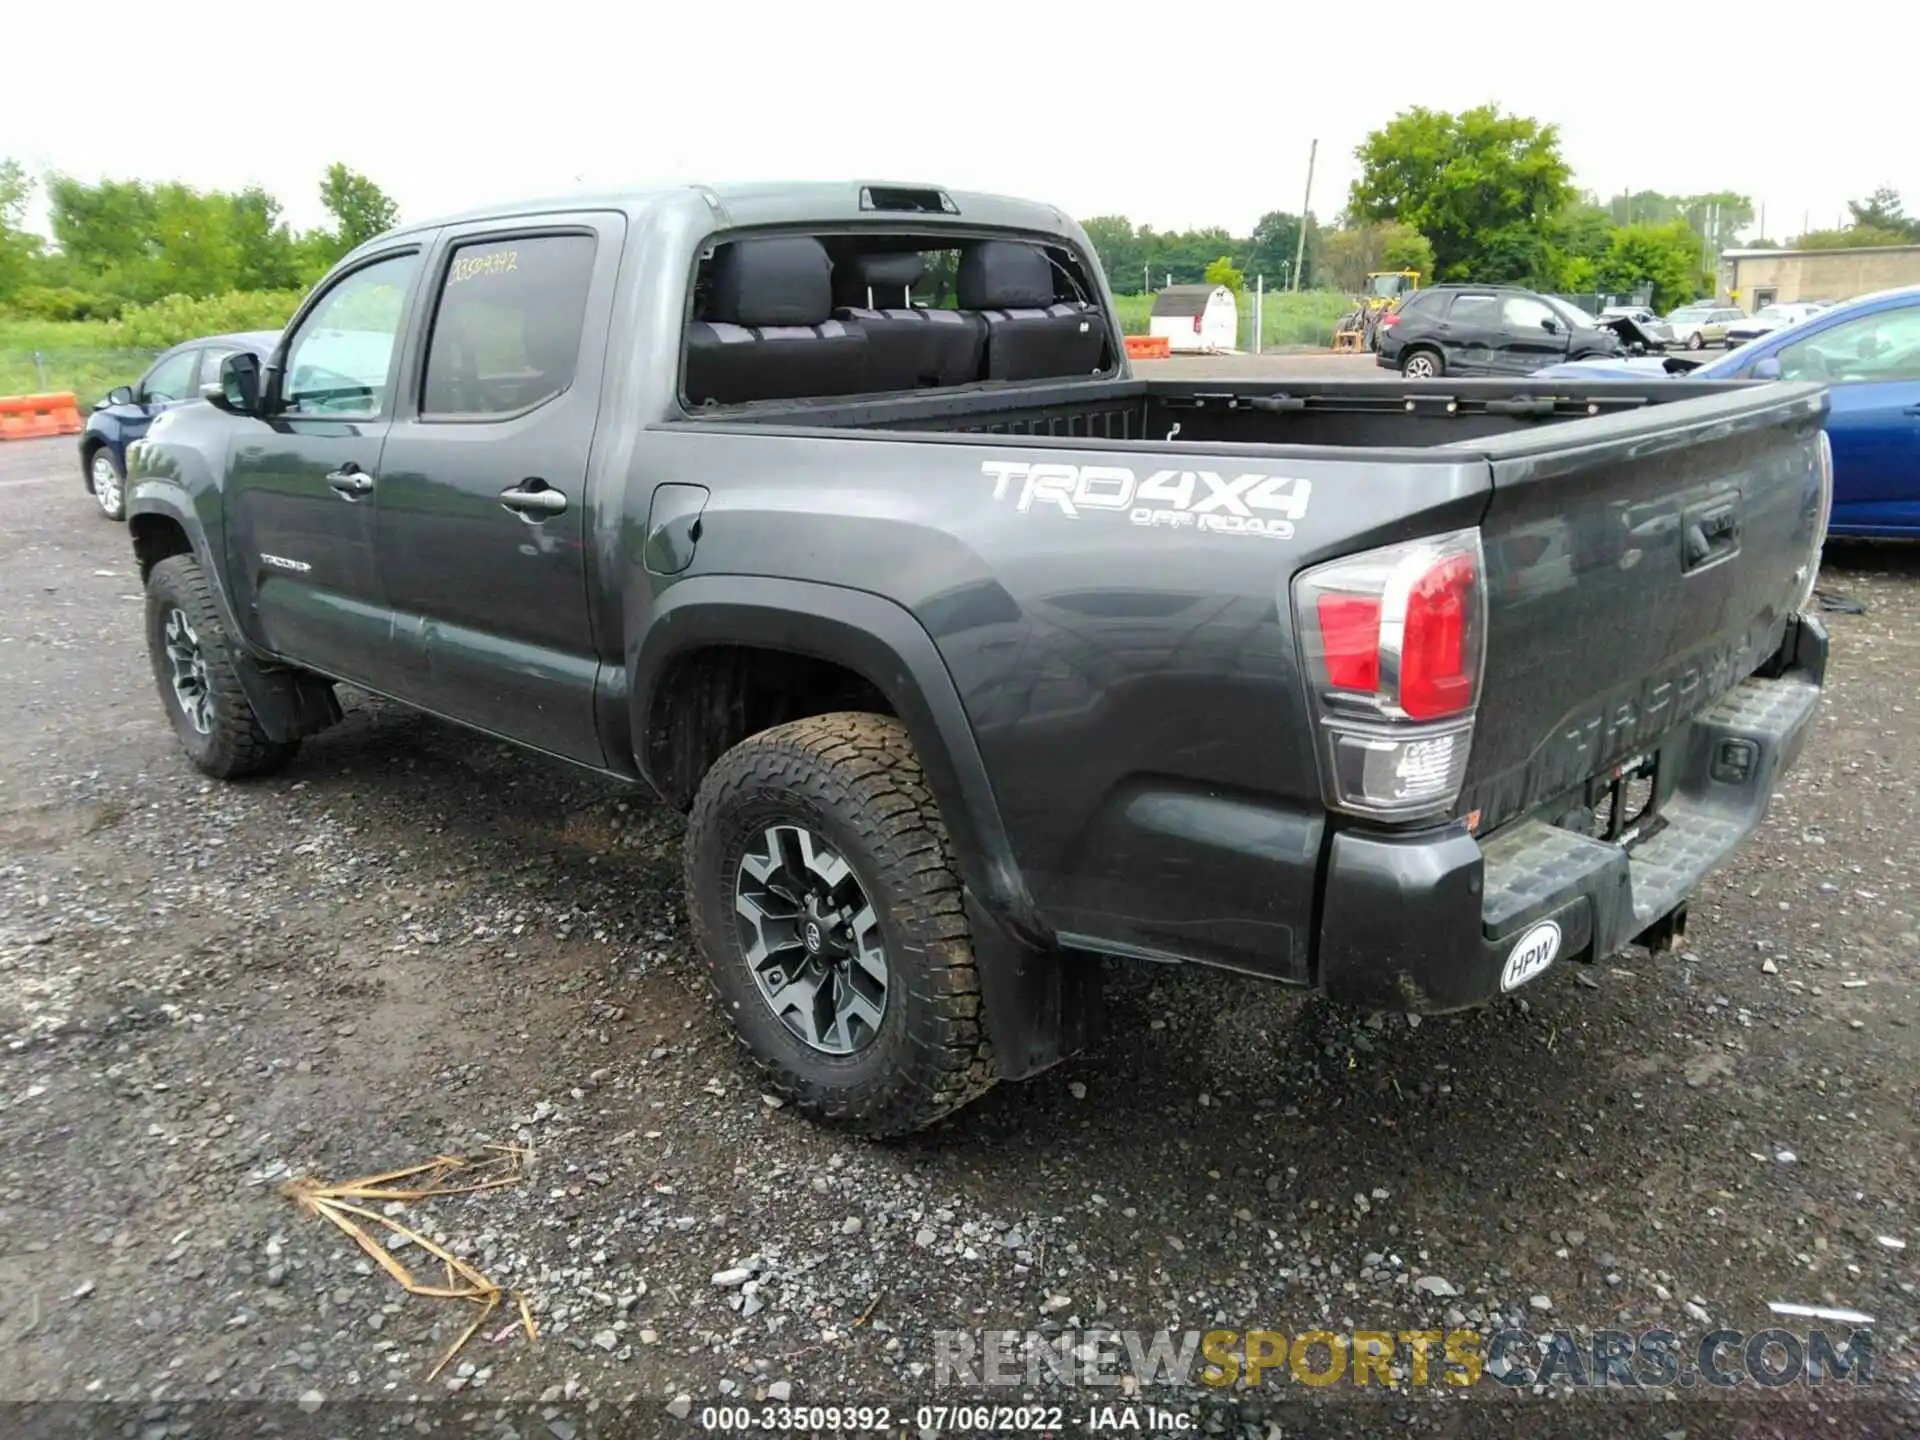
point(1437, 921)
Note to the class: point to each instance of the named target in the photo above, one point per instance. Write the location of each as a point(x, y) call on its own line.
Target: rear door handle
point(534, 504)
point(351, 483)
point(1912, 410)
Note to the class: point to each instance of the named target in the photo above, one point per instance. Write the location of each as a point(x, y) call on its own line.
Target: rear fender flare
point(1041, 1005)
point(875, 638)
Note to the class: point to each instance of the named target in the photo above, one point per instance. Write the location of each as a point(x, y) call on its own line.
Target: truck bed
point(1605, 636)
point(1364, 414)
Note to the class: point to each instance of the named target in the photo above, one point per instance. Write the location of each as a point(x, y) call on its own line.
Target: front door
point(1532, 335)
point(168, 383)
point(303, 483)
point(483, 504)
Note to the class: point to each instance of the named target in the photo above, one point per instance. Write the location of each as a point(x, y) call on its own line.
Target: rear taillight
point(1196, 324)
point(1812, 567)
point(1392, 642)
point(1389, 320)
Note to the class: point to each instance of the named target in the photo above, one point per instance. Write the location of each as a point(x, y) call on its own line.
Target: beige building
point(1752, 278)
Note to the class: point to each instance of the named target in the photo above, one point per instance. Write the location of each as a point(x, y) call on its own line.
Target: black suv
point(1456, 329)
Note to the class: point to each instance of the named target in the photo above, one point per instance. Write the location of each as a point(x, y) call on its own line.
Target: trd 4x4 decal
point(1201, 500)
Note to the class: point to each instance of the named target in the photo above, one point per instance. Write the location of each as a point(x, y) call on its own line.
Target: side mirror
point(118, 395)
point(238, 389)
point(1551, 326)
point(1765, 368)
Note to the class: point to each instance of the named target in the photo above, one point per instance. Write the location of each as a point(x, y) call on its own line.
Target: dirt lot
point(415, 941)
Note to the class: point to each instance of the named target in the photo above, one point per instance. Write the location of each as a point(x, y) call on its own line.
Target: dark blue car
point(126, 412)
point(1868, 352)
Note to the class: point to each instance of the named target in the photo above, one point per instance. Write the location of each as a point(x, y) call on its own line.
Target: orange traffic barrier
point(27, 417)
point(1148, 347)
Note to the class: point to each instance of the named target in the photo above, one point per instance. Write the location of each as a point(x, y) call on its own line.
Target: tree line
point(119, 244)
point(1481, 196)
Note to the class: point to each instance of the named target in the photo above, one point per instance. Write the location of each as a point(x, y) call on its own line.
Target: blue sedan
point(124, 415)
point(1868, 352)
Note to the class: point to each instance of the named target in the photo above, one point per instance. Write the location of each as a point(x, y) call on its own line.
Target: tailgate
point(1639, 566)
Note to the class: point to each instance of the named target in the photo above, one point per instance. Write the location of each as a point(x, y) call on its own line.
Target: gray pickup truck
point(835, 515)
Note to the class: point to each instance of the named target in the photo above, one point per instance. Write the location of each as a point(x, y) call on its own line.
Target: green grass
point(1306, 318)
point(73, 355)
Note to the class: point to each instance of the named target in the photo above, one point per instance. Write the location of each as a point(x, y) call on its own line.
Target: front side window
point(1522, 312)
point(1863, 351)
point(210, 359)
point(506, 334)
point(171, 379)
point(340, 362)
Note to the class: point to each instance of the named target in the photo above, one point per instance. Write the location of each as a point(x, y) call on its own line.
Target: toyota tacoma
point(836, 515)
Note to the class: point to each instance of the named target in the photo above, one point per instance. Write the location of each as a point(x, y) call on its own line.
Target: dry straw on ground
point(435, 1179)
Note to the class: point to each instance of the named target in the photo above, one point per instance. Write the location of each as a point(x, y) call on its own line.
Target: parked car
point(959, 643)
point(1867, 351)
point(1698, 326)
point(1456, 329)
point(124, 414)
point(1658, 333)
point(1769, 318)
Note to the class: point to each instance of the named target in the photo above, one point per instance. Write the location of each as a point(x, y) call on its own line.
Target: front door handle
point(534, 504)
point(351, 483)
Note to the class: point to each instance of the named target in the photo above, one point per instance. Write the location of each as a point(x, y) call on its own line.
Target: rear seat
point(768, 331)
point(906, 348)
point(1030, 336)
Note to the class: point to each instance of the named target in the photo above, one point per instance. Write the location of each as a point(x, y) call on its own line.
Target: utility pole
point(1300, 247)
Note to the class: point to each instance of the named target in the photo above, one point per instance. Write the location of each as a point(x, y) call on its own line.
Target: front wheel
point(193, 666)
point(1423, 365)
point(827, 908)
point(108, 481)
point(1696, 341)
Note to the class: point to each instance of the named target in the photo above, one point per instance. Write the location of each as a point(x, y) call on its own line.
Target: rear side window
point(506, 333)
point(1475, 309)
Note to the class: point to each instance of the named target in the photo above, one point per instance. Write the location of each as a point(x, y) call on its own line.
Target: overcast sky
point(1175, 115)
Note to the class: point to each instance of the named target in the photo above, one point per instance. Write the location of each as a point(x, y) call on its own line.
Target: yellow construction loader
point(1356, 330)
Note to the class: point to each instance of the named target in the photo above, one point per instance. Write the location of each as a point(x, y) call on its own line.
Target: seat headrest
point(781, 280)
point(892, 272)
point(1004, 275)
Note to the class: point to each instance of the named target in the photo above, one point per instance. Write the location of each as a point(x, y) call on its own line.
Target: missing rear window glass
point(789, 317)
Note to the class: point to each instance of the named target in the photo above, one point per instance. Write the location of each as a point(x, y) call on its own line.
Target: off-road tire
point(853, 779)
point(236, 746)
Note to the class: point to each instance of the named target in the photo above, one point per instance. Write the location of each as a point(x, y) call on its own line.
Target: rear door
point(483, 507)
point(1635, 577)
point(302, 485)
point(1470, 331)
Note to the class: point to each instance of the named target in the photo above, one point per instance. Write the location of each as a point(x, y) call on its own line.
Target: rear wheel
point(193, 666)
point(825, 903)
point(1422, 365)
point(108, 482)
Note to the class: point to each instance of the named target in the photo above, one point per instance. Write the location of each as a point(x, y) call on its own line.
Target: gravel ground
point(415, 941)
